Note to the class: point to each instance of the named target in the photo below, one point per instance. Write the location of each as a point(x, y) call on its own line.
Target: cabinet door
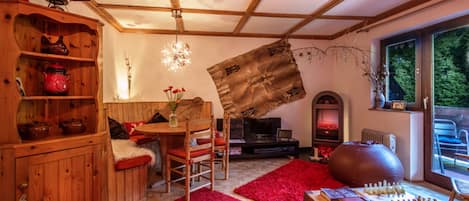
point(66, 175)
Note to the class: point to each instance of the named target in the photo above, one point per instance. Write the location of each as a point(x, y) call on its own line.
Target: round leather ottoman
point(357, 164)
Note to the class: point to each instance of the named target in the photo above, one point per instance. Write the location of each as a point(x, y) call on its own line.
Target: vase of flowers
point(377, 80)
point(174, 96)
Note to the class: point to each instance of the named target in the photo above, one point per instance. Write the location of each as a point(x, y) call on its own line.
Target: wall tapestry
point(256, 82)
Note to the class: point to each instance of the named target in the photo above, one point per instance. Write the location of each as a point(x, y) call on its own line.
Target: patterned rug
point(205, 194)
point(288, 183)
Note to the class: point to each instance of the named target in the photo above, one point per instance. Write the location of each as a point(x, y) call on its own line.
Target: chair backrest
point(226, 127)
point(197, 129)
point(445, 127)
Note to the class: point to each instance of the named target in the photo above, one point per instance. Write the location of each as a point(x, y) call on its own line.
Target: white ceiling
point(270, 17)
point(289, 6)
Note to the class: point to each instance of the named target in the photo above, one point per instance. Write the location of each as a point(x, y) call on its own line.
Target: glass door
point(446, 102)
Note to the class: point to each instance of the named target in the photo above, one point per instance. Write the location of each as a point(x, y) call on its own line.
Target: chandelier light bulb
point(176, 55)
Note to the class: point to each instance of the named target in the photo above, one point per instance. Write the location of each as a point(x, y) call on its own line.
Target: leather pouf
point(357, 164)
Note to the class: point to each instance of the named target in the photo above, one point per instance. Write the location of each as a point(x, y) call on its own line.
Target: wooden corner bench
point(128, 180)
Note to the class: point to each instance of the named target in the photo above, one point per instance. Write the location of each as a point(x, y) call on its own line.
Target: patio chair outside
point(449, 138)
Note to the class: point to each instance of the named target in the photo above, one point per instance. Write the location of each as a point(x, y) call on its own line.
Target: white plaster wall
point(348, 81)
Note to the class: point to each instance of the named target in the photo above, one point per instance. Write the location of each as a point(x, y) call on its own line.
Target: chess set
point(388, 191)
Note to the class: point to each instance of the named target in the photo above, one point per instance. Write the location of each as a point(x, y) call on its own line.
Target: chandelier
point(176, 54)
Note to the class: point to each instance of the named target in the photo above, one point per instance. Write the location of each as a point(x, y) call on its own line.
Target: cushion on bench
point(132, 162)
point(141, 139)
point(127, 154)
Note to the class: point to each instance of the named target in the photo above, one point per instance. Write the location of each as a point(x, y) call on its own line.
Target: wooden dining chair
point(222, 146)
point(193, 154)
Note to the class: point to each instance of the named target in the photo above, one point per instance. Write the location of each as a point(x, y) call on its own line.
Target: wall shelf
point(58, 98)
point(54, 57)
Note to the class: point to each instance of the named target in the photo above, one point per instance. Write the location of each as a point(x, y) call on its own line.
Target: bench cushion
point(127, 154)
point(142, 139)
point(132, 162)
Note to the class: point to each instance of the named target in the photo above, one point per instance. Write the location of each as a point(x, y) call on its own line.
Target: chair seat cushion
point(450, 140)
point(132, 162)
point(219, 141)
point(141, 139)
point(180, 152)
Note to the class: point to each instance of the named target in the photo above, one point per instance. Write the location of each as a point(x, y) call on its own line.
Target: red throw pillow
point(130, 126)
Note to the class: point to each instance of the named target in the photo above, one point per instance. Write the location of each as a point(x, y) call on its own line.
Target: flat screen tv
point(262, 126)
point(236, 128)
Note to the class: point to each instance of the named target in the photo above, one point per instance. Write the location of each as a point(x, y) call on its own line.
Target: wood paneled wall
point(143, 111)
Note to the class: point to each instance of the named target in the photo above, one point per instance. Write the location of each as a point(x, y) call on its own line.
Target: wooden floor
point(243, 171)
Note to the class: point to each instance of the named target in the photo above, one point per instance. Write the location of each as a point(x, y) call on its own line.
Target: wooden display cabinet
point(60, 166)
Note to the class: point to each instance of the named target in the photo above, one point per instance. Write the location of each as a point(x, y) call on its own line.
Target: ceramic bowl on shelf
point(34, 131)
point(72, 126)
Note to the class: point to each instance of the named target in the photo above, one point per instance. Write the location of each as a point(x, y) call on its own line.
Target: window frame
point(412, 35)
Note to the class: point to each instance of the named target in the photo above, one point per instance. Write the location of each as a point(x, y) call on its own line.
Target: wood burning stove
point(328, 121)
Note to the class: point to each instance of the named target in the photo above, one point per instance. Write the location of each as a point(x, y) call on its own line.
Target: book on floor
point(339, 194)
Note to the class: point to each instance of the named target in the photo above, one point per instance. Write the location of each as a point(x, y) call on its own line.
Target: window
point(451, 67)
point(400, 59)
point(441, 49)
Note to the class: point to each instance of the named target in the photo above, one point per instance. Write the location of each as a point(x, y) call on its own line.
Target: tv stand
point(264, 149)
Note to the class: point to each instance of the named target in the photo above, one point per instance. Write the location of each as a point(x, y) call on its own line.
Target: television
point(236, 128)
point(262, 126)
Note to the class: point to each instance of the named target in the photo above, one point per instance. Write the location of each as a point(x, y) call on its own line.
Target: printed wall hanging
point(256, 82)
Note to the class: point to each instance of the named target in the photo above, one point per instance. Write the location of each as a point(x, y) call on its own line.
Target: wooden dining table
point(170, 137)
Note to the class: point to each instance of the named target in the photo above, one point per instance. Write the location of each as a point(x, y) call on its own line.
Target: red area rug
point(205, 194)
point(288, 183)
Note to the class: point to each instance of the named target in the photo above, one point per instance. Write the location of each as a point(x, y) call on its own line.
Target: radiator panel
point(385, 138)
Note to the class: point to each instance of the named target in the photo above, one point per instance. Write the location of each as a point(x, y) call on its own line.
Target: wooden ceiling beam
point(329, 5)
point(224, 34)
point(252, 6)
point(380, 16)
point(344, 17)
point(104, 14)
point(179, 21)
point(227, 12)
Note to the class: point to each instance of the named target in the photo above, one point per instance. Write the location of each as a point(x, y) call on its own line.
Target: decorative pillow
point(157, 117)
point(117, 130)
point(130, 126)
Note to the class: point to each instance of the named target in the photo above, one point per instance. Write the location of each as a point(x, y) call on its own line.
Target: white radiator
point(387, 139)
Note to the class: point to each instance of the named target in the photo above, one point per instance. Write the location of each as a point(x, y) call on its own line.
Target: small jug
point(56, 81)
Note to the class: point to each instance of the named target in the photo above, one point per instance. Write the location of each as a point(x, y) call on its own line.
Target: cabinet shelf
point(54, 57)
point(57, 98)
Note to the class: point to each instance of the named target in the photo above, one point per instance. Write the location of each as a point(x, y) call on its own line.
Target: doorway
point(445, 92)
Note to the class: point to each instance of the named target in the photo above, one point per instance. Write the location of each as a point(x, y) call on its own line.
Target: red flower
point(166, 90)
point(183, 90)
point(170, 87)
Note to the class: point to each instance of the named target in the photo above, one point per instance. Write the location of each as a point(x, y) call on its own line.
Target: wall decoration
point(375, 74)
point(256, 82)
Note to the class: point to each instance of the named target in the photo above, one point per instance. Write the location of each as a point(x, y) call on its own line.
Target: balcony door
point(445, 72)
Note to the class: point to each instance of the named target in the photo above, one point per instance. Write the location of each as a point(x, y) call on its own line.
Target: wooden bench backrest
point(143, 111)
point(445, 127)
